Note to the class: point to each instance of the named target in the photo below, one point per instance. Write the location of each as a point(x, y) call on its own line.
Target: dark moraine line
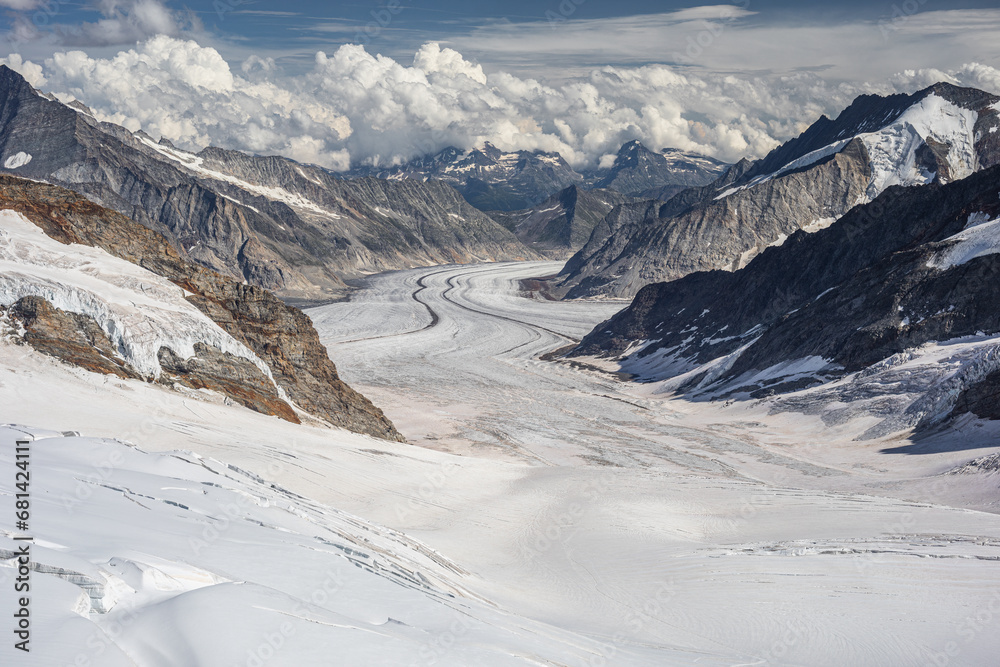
point(453, 286)
point(435, 318)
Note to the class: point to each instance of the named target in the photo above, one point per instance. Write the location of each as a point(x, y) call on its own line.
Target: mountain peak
point(968, 98)
point(632, 147)
point(865, 115)
point(491, 151)
point(12, 80)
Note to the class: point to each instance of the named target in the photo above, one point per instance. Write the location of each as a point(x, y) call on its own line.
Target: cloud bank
point(353, 107)
point(119, 22)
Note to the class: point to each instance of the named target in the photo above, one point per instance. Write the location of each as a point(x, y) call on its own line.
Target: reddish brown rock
point(74, 338)
point(282, 336)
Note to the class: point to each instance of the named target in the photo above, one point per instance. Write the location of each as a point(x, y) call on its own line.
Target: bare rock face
point(717, 234)
point(563, 223)
point(280, 335)
point(231, 376)
point(982, 400)
point(640, 172)
point(285, 339)
point(295, 229)
point(71, 337)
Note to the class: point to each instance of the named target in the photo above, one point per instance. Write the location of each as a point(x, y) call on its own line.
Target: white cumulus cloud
point(354, 107)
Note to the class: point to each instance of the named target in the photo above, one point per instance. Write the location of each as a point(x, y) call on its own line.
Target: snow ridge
point(978, 239)
point(893, 149)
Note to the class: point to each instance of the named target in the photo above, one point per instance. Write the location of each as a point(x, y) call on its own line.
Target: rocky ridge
point(940, 134)
point(494, 180)
point(280, 335)
point(295, 229)
point(849, 310)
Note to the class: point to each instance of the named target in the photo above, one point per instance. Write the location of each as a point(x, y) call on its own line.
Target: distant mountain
point(563, 223)
point(892, 311)
point(642, 173)
point(295, 229)
point(487, 177)
point(97, 290)
point(493, 180)
point(940, 134)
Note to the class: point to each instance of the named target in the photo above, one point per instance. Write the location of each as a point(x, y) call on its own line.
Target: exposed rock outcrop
point(280, 335)
point(982, 400)
point(71, 337)
point(228, 375)
point(563, 223)
point(640, 172)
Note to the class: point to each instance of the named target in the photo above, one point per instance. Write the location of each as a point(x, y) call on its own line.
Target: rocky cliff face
point(563, 223)
point(72, 337)
point(941, 134)
point(294, 229)
point(860, 300)
point(640, 172)
point(281, 336)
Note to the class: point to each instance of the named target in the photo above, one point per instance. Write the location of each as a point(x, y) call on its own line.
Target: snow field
point(578, 520)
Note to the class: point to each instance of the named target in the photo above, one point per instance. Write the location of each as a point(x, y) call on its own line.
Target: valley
point(436, 365)
point(592, 520)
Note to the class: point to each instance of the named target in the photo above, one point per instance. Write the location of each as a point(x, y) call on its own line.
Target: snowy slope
point(138, 310)
point(981, 237)
point(174, 559)
point(893, 149)
point(582, 524)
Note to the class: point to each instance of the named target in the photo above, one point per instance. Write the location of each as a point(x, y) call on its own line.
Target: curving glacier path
point(726, 531)
point(543, 514)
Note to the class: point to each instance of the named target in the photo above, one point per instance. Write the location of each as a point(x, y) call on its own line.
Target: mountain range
point(817, 268)
point(891, 311)
point(300, 230)
point(941, 134)
point(294, 229)
point(494, 180)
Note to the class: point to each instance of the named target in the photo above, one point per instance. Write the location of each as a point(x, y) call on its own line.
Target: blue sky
point(898, 32)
